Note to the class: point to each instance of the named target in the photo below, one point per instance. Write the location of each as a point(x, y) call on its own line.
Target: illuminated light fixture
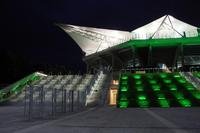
point(123, 104)
point(189, 87)
point(152, 81)
point(124, 77)
point(15, 87)
point(150, 76)
point(164, 103)
point(182, 81)
point(178, 95)
point(176, 76)
point(124, 88)
point(156, 87)
point(116, 82)
point(185, 102)
point(196, 94)
point(136, 76)
point(138, 82)
point(161, 96)
point(141, 97)
point(173, 87)
point(167, 81)
point(163, 75)
point(143, 103)
point(123, 97)
point(41, 74)
point(124, 82)
point(139, 88)
point(197, 75)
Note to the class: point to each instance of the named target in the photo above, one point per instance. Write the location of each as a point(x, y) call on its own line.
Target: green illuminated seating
point(141, 97)
point(164, 103)
point(196, 94)
point(197, 74)
point(156, 87)
point(139, 88)
point(172, 87)
point(124, 88)
point(152, 81)
point(167, 81)
point(138, 82)
point(17, 87)
point(160, 96)
point(143, 103)
point(163, 75)
point(137, 76)
point(185, 102)
point(123, 104)
point(156, 90)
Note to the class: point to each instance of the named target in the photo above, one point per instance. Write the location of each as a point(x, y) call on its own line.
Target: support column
point(150, 56)
point(176, 65)
point(113, 64)
point(176, 58)
point(182, 55)
point(87, 67)
point(134, 55)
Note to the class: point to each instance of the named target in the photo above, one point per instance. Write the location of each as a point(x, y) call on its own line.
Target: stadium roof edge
point(93, 40)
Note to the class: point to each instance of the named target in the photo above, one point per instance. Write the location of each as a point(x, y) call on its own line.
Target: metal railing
point(194, 80)
point(39, 105)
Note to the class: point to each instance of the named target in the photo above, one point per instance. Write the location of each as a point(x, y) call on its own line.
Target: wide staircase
point(15, 89)
point(157, 90)
point(86, 88)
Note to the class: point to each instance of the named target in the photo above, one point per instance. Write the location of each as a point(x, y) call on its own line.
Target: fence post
point(25, 97)
point(41, 90)
point(54, 101)
point(30, 103)
point(72, 100)
point(65, 101)
point(78, 99)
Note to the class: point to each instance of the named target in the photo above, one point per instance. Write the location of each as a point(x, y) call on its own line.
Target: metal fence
point(40, 103)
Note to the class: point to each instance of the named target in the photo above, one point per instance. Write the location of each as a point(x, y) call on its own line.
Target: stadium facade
point(166, 41)
point(134, 69)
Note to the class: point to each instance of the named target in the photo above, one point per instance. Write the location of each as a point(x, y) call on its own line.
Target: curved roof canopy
point(165, 27)
point(92, 40)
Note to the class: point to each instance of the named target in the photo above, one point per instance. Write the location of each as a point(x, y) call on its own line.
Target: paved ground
point(108, 120)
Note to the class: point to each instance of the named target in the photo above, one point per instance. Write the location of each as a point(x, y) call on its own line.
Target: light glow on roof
point(93, 40)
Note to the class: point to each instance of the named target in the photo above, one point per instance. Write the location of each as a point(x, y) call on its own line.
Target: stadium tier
point(156, 90)
point(87, 85)
point(15, 89)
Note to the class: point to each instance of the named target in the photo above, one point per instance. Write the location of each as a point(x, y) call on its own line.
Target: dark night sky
point(28, 30)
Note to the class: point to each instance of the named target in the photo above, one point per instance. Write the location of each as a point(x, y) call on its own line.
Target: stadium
point(154, 66)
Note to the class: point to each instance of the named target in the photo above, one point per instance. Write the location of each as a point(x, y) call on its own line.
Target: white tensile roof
point(165, 27)
point(92, 40)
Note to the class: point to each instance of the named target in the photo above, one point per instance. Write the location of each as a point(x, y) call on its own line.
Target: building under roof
point(166, 40)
